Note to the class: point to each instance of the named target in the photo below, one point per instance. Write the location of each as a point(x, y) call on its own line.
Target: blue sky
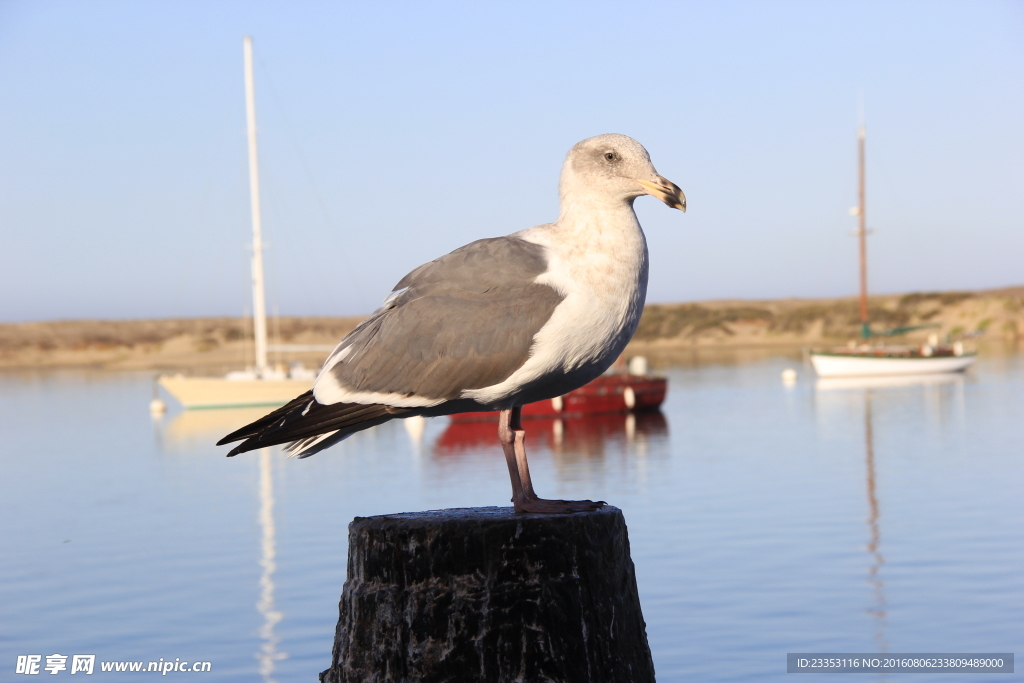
point(391, 133)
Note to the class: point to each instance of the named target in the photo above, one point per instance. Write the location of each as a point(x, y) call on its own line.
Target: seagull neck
point(583, 212)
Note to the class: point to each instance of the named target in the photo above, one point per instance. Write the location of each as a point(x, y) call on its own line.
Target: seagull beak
point(666, 191)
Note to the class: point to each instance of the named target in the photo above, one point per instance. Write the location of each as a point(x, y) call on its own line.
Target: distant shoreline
point(217, 345)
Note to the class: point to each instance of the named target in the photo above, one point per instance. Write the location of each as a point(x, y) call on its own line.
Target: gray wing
point(464, 321)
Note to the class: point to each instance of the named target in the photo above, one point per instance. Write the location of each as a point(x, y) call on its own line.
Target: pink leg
point(513, 442)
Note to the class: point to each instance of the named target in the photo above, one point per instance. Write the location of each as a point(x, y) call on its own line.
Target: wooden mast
point(862, 234)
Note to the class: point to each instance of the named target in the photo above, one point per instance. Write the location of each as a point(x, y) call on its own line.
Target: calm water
point(763, 520)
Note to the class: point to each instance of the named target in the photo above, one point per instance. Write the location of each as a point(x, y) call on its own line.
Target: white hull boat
point(219, 392)
point(879, 363)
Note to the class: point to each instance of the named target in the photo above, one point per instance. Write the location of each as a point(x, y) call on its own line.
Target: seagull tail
point(307, 426)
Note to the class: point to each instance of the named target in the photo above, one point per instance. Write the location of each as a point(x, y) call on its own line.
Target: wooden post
point(485, 594)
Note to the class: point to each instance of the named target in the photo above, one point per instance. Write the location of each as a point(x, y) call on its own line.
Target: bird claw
point(542, 505)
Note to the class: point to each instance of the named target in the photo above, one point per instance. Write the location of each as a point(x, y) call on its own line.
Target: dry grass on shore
point(220, 344)
point(208, 344)
point(813, 321)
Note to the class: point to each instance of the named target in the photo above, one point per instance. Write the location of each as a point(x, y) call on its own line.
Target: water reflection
point(836, 383)
point(941, 394)
point(570, 439)
point(196, 431)
point(893, 394)
point(875, 540)
point(268, 655)
point(416, 428)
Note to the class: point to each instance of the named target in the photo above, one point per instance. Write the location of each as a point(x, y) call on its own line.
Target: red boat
point(606, 394)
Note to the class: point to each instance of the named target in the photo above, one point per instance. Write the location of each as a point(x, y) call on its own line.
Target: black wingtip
point(254, 428)
point(304, 418)
point(236, 435)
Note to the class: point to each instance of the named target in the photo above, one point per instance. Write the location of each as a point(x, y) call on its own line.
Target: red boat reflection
point(585, 435)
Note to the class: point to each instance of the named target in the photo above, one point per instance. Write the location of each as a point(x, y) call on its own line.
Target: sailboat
point(867, 359)
point(261, 385)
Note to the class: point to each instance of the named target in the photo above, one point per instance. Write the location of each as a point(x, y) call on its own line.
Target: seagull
point(496, 324)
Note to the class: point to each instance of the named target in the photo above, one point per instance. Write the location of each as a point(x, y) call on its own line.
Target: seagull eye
point(610, 156)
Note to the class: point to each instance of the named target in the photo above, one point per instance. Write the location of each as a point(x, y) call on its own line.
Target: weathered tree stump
point(485, 594)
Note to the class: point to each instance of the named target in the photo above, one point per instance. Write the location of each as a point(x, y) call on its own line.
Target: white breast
point(601, 268)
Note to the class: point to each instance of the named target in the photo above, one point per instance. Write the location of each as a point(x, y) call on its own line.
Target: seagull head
point(616, 167)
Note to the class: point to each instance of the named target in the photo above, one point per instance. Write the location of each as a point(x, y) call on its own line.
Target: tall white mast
point(259, 304)
point(862, 235)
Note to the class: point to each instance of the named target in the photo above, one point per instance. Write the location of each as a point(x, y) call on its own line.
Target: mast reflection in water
point(865, 392)
point(268, 655)
point(874, 573)
point(190, 431)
